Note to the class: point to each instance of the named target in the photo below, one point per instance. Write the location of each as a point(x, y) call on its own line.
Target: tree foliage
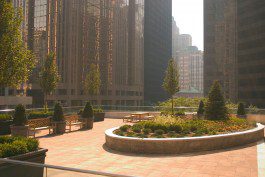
point(215, 106)
point(92, 81)
point(20, 118)
point(58, 113)
point(241, 109)
point(201, 108)
point(88, 111)
point(16, 62)
point(171, 81)
point(48, 75)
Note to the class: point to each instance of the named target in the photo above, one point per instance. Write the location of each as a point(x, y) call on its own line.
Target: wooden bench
point(72, 120)
point(40, 124)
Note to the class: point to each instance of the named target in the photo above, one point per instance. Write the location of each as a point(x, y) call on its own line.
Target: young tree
point(171, 81)
point(215, 107)
point(16, 62)
point(48, 76)
point(92, 81)
point(200, 110)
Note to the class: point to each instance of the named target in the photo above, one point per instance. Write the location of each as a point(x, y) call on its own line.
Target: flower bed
point(174, 127)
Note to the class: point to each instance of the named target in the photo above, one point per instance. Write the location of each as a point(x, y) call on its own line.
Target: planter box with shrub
point(58, 119)
point(99, 115)
point(5, 123)
point(87, 116)
point(20, 127)
point(22, 149)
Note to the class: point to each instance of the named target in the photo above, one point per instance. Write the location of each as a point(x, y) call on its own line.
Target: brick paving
point(86, 150)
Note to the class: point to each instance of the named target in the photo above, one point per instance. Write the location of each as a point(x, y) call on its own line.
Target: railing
point(10, 168)
point(109, 108)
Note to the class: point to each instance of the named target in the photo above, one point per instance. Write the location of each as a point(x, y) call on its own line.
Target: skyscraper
point(81, 32)
point(251, 51)
point(157, 47)
point(184, 40)
point(175, 36)
point(220, 46)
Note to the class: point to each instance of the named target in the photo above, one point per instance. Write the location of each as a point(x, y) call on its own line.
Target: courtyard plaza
point(86, 150)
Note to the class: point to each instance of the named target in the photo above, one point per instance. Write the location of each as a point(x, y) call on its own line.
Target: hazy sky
point(188, 15)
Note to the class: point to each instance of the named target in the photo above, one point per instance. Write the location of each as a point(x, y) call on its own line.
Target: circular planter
point(182, 145)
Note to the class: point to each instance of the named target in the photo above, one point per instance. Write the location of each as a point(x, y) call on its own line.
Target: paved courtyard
point(86, 150)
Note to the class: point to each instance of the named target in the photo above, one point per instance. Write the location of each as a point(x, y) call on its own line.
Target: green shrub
point(200, 109)
point(136, 129)
point(159, 132)
point(20, 118)
point(119, 132)
point(180, 112)
point(39, 114)
point(98, 110)
point(146, 131)
point(171, 134)
point(215, 108)
point(12, 146)
point(139, 135)
point(5, 117)
point(88, 111)
point(58, 113)
point(131, 134)
point(124, 128)
point(241, 109)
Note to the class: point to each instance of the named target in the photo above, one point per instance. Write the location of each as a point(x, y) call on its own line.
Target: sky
point(188, 15)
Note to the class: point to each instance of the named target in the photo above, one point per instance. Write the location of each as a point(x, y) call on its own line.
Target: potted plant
point(58, 120)
point(22, 149)
point(87, 116)
point(6, 121)
point(20, 127)
point(241, 113)
point(99, 115)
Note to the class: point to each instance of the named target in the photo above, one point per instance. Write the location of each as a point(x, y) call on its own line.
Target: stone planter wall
point(182, 145)
point(5, 127)
point(12, 170)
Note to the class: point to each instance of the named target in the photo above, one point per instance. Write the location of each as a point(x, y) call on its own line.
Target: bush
point(200, 109)
point(88, 111)
point(12, 146)
point(20, 118)
point(39, 114)
point(215, 107)
point(136, 129)
point(124, 128)
point(159, 132)
point(58, 113)
point(5, 117)
point(146, 131)
point(241, 109)
point(171, 134)
point(98, 110)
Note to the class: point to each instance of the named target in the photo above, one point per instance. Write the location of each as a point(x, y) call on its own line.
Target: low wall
point(182, 145)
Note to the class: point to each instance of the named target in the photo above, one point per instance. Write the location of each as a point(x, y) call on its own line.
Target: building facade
point(184, 40)
point(251, 51)
point(220, 46)
point(190, 64)
point(107, 33)
point(175, 36)
point(157, 48)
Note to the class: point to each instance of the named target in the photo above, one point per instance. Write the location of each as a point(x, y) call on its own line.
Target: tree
point(48, 76)
point(88, 111)
point(92, 81)
point(241, 109)
point(58, 115)
point(16, 62)
point(171, 81)
point(215, 107)
point(200, 109)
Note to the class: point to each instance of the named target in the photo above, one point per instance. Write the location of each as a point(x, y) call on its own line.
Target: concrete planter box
point(59, 127)
point(182, 145)
point(99, 116)
point(20, 130)
point(13, 170)
point(5, 127)
point(88, 123)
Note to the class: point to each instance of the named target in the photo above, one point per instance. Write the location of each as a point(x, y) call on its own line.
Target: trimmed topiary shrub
point(215, 108)
point(58, 113)
point(241, 109)
point(20, 118)
point(200, 110)
point(88, 111)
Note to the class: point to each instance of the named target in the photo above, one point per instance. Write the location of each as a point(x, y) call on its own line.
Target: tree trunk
point(45, 106)
point(172, 106)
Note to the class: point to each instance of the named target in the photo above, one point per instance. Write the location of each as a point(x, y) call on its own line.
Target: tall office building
point(157, 47)
point(107, 33)
point(184, 40)
point(220, 46)
point(175, 36)
point(190, 64)
point(251, 51)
